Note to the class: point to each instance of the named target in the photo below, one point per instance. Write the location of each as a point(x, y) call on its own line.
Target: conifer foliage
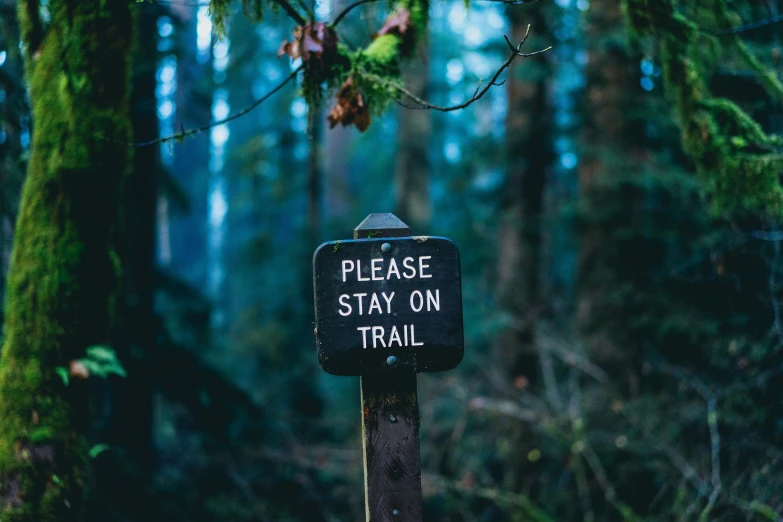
point(739, 163)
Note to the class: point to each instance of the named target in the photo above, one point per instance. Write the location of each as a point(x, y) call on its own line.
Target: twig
point(190, 132)
point(512, 2)
point(496, 495)
point(293, 13)
point(745, 27)
point(287, 7)
point(479, 93)
point(772, 295)
point(712, 423)
point(183, 4)
point(550, 380)
point(348, 9)
point(505, 407)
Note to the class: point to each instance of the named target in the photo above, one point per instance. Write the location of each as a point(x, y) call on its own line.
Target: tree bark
point(528, 157)
point(64, 267)
point(131, 416)
point(415, 127)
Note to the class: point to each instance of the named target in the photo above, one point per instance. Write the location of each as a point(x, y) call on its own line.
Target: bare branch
point(479, 93)
point(292, 13)
point(711, 399)
point(746, 27)
point(348, 9)
point(287, 7)
point(512, 2)
point(190, 132)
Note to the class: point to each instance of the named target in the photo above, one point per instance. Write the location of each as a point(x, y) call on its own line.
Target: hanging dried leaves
point(79, 370)
point(315, 44)
point(398, 23)
point(350, 108)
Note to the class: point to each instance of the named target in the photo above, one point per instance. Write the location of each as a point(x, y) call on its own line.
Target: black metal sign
point(387, 303)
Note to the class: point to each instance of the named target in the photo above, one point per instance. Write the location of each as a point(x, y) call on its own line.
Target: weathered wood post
point(387, 306)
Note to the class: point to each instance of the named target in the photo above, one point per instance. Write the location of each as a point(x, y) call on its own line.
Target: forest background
point(616, 202)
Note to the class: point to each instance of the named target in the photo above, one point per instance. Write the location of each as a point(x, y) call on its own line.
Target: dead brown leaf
point(349, 108)
point(313, 42)
point(79, 370)
point(398, 23)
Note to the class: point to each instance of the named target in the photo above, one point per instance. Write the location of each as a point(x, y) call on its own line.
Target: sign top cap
point(384, 224)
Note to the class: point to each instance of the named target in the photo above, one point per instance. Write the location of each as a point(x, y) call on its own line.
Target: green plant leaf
point(63, 373)
point(98, 449)
point(41, 434)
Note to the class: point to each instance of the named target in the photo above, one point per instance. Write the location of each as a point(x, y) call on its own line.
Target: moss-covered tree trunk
point(63, 268)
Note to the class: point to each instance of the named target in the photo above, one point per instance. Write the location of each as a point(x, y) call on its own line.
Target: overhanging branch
point(516, 51)
point(189, 132)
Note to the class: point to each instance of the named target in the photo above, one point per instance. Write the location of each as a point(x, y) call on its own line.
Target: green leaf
point(100, 352)
point(763, 510)
point(98, 449)
point(63, 373)
point(102, 361)
point(41, 434)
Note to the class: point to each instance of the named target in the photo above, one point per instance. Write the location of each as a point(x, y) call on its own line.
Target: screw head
point(392, 418)
point(395, 512)
point(386, 247)
point(391, 360)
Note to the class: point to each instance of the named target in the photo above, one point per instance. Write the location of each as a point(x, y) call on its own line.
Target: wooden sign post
point(387, 306)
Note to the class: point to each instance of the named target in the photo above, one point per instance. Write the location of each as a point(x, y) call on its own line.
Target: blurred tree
point(739, 163)
point(412, 165)
point(14, 131)
point(64, 266)
point(529, 155)
point(613, 147)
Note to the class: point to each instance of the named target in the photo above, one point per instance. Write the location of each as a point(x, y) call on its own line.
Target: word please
point(378, 272)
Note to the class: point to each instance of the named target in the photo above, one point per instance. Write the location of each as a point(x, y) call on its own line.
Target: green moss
point(382, 54)
point(63, 268)
point(376, 68)
point(730, 150)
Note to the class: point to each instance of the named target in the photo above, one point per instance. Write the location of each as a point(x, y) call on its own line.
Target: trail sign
point(388, 305)
point(382, 297)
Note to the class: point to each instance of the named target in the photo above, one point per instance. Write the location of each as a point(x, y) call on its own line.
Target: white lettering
point(413, 306)
point(347, 305)
point(347, 262)
point(434, 299)
point(422, 266)
point(405, 332)
point(359, 297)
point(377, 334)
point(364, 329)
point(388, 301)
point(359, 271)
point(374, 303)
point(395, 336)
point(392, 268)
point(405, 263)
point(377, 269)
point(413, 340)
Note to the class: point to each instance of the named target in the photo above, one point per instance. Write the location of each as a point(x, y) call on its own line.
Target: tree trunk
point(13, 113)
point(132, 397)
point(610, 152)
point(64, 267)
point(412, 166)
point(528, 156)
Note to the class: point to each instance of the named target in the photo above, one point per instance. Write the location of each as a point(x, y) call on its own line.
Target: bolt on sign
point(382, 297)
point(387, 306)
